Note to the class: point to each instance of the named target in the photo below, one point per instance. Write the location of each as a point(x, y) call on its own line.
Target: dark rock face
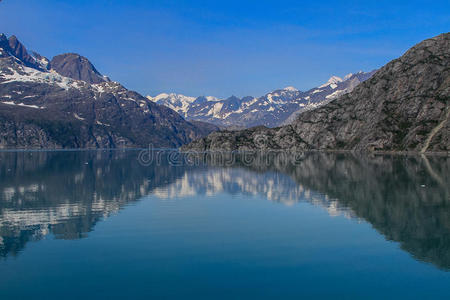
point(19, 51)
point(204, 127)
point(13, 48)
point(403, 107)
point(75, 66)
point(43, 109)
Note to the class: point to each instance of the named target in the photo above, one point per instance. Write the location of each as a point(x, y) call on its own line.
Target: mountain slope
point(41, 108)
point(332, 89)
point(273, 109)
point(403, 107)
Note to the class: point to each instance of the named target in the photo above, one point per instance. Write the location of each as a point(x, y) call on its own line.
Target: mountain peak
point(4, 45)
point(290, 89)
point(15, 48)
point(157, 97)
point(78, 67)
point(13, 39)
point(332, 80)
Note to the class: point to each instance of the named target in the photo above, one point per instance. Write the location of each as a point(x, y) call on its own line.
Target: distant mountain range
point(66, 103)
point(404, 106)
point(273, 109)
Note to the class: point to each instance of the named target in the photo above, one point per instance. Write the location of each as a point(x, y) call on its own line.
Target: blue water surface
point(102, 225)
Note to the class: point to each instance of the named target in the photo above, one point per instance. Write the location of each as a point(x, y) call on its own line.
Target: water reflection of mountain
point(67, 193)
point(407, 199)
point(272, 185)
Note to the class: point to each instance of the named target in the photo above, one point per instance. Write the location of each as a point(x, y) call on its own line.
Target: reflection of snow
point(44, 218)
point(273, 186)
point(41, 219)
point(10, 192)
point(181, 188)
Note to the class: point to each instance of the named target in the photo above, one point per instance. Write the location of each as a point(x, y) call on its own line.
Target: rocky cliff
point(75, 66)
point(403, 107)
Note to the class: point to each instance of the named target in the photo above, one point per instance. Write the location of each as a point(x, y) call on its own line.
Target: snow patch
point(335, 94)
point(102, 124)
point(27, 74)
point(78, 117)
point(99, 88)
point(22, 104)
point(211, 98)
point(215, 110)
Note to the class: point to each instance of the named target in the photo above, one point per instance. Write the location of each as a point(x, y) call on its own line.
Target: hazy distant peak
point(332, 80)
point(291, 89)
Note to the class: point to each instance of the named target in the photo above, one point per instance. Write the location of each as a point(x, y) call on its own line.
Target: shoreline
point(366, 153)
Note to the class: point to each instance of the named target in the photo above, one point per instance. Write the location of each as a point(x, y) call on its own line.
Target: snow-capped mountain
point(178, 102)
point(273, 109)
point(332, 89)
point(66, 103)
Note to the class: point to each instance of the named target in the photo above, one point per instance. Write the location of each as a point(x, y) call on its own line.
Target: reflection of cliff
point(407, 199)
point(67, 193)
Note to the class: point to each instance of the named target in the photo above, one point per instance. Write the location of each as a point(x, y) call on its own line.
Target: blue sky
point(225, 48)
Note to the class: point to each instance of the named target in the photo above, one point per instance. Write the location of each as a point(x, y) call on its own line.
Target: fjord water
point(101, 224)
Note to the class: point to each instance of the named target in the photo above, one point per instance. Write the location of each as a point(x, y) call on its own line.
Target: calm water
point(99, 224)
